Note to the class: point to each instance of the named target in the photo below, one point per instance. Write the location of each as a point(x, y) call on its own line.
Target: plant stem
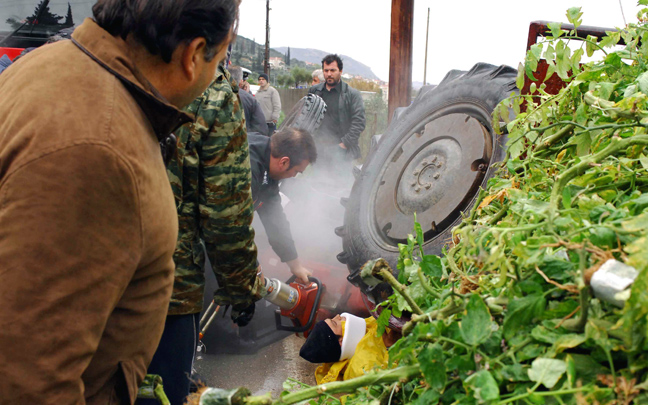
point(616, 144)
point(566, 130)
point(401, 289)
point(425, 284)
point(404, 373)
point(450, 309)
point(544, 394)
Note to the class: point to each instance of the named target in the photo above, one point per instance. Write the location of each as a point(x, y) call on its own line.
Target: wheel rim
point(434, 171)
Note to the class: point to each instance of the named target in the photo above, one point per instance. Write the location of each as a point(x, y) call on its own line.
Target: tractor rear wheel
point(431, 162)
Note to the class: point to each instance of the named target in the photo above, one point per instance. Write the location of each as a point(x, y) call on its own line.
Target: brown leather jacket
point(88, 224)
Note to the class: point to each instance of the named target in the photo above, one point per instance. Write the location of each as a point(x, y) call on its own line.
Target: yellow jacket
point(371, 352)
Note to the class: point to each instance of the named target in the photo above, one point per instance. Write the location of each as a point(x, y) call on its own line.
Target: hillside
point(246, 52)
point(351, 66)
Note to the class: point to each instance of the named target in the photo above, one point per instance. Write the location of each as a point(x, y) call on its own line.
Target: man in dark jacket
point(254, 118)
point(286, 154)
point(345, 115)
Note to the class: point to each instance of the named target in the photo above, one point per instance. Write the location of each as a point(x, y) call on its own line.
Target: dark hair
point(328, 59)
point(162, 25)
point(236, 72)
point(295, 143)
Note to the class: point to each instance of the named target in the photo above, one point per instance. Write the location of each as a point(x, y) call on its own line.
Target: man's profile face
point(335, 324)
point(316, 80)
point(205, 72)
point(332, 73)
point(284, 172)
point(262, 81)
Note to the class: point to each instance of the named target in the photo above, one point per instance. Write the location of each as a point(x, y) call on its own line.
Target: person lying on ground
point(349, 347)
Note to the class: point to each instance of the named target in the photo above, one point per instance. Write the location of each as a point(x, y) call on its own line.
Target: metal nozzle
point(281, 294)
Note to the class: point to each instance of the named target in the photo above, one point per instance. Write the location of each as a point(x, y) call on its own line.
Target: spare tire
point(431, 161)
point(307, 114)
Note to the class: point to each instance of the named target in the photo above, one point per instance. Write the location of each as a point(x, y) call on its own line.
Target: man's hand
point(301, 273)
point(242, 317)
point(342, 145)
point(260, 276)
point(245, 86)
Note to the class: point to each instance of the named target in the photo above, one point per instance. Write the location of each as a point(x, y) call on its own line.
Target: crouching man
point(349, 347)
point(284, 155)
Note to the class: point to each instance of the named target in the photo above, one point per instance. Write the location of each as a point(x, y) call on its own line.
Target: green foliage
point(507, 313)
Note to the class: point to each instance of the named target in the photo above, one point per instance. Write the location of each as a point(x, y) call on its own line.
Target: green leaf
point(571, 370)
point(383, 321)
point(515, 372)
point(586, 367)
point(515, 149)
point(583, 143)
point(555, 29)
point(611, 39)
point(644, 161)
point(430, 396)
point(431, 266)
point(642, 82)
point(568, 341)
point(433, 367)
point(605, 90)
point(574, 15)
point(521, 311)
point(566, 198)
point(637, 256)
point(590, 46)
point(419, 234)
point(483, 386)
point(547, 371)
point(519, 81)
point(476, 324)
point(603, 237)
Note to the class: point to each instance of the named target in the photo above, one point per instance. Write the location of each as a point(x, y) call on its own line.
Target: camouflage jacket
point(210, 178)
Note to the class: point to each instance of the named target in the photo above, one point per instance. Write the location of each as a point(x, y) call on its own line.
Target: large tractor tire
point(431, 162)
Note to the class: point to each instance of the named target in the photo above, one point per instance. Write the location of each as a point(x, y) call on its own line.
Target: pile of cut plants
point(542, 295)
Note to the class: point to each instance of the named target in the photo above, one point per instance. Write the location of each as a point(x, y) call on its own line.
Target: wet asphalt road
point(258, 356)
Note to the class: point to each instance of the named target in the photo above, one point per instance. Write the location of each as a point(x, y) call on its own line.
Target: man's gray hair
point(236, 72)
point(319, 74)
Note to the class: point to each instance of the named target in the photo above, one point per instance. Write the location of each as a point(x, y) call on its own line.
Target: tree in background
point(44, 16)
point(287, 58)
point(284, 80)
point(364, 85)
point(69, 21)
point(300, 75)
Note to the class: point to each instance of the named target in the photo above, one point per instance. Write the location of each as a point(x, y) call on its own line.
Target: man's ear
point(284, 163)
point(192, 57)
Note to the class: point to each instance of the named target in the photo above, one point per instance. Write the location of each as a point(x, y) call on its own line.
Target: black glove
point(243, 316)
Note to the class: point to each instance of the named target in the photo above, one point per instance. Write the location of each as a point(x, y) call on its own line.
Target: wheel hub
point(434, 173)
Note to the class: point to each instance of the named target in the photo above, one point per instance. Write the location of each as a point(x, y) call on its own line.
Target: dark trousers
point(174, 357)
point(272, 127)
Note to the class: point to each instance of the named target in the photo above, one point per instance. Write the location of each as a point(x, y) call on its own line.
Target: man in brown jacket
point(88, 224)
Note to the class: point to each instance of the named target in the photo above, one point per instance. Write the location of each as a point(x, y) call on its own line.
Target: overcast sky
point(462, 32)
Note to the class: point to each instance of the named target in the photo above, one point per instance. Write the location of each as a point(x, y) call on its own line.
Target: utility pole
point(400, 55)
point(266, 62)
point(427, 35)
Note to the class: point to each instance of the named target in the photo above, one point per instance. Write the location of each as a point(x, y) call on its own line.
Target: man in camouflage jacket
point(210, 178)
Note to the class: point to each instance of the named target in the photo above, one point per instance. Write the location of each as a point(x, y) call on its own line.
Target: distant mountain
point(351, 66)
point(248, 53)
